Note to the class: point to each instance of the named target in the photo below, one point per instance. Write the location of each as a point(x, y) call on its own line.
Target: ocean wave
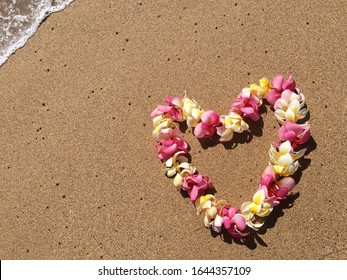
point(19, 20)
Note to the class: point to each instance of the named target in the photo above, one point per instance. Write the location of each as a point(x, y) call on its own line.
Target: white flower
point(290, 107)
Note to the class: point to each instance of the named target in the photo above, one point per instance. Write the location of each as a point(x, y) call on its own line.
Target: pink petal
point(232, 211)
point(239, 221)
point(277, 82)
point(208, 129)
point(224, 212)
point(284, 135)
point(215, 118)
point(304, 137)
point(171, 149)
point(270, 170)
point(280, 193)
point(206, 115)
point(227, 222)
point(176, 101)
point(194, 193)
point(266, 180)
point(289, 84)
point(198, 132)
point(286, 95)
point(293, 127)
point(272, 96)
point(237, 103)
point(168, 99)
point(164, 108)
point(155, 112)
point(286, 182)
point(247, 110)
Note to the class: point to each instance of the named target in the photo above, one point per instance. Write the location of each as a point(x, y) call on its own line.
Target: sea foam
point(19, 20)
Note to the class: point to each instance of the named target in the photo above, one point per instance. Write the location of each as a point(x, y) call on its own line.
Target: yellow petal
point(259, 197)
point(196, 113)
point(290, 115)
point(255, 208)
point(278, 169)
point(211, 212)
point(266, 210)
point(294, 106)
point(264, 82)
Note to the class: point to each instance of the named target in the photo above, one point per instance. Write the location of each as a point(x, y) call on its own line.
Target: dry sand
point(79, 174)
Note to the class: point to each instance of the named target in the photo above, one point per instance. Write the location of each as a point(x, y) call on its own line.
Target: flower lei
point(275, 184)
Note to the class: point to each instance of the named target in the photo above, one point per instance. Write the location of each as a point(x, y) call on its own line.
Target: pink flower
point(275, 190)
point(233, 221)
point(207, 127)
point(173, 109)
point(246, 107)
point(170, 141)
point(195, 185)
point(279, 85)
point(295, 133)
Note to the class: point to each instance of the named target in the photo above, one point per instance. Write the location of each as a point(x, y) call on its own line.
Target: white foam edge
point(44, 13)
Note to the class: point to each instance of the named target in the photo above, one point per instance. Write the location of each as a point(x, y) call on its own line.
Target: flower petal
point(285, 148)
point(259, 197)
point(239, 221)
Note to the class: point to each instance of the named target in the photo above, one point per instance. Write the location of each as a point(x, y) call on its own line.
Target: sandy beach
point(80, 178)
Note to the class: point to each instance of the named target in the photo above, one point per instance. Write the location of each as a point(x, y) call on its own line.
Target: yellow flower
point(232, 122)
point(161, 122)
point(264, 86)
point(258, 206)
point(191, 111)
point(290, 107)
point(173, 163)
point(285, 159)
point(252, 220)
point(208, 208)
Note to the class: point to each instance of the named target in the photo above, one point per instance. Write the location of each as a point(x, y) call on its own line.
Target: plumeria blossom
point(246, 107)
point(278, 86)
point(290, 107)
point(260, 204)
point(231, 123)
point(170, 141)
point(277, 190)
point(162, 122)
point(252, 92)
point(207, 127)
point(295, 133)
point(285, 159)
point(172, 165)
point(233, 221)
point(179, 167)
point(191, 111)
point(208, 209)
point(255, 211)
point(196, 185)
point(253, 221)
point(173, 109)
point(264, 86)
point(184, 169)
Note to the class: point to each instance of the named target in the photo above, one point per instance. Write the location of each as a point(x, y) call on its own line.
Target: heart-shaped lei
point(275, 184)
